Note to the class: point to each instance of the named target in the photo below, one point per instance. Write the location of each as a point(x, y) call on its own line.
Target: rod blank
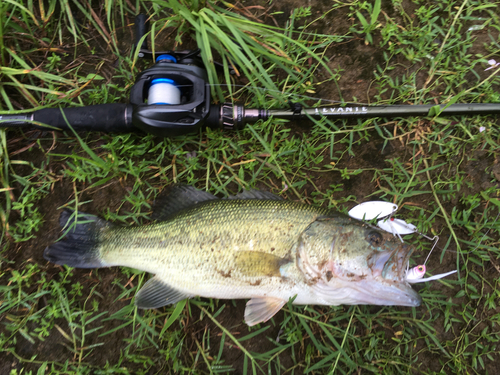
point(388, 111)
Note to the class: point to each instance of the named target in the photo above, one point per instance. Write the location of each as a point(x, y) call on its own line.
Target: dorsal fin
point(180, 197)
point(176, 199)
point(256, 194)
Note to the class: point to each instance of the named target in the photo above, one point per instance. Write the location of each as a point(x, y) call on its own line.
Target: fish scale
point(201, 243)
point(253, 245)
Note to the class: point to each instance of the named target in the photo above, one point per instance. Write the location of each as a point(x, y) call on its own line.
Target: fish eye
point(375, 238)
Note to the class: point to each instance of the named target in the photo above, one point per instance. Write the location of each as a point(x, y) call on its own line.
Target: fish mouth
point(390, 264)
point(383, 283)
point(388, 294)
point(389, 283)
point(366, 292)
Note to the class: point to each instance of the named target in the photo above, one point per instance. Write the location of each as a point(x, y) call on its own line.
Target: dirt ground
point(358, 60)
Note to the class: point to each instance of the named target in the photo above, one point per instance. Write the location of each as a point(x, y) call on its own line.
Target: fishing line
point(287, 95)
point(461, 252)
point(436, 239)
point(416, 274)
point(282, 95)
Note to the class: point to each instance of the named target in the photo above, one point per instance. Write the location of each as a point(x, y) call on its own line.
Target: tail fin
point(80, 246)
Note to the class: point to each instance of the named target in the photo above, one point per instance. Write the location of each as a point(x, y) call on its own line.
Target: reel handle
point(141, 28)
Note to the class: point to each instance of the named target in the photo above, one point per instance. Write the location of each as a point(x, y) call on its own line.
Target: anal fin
point(156, 293)
point(261, 309)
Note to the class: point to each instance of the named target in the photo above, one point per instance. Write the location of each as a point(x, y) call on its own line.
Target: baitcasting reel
point(170, 98)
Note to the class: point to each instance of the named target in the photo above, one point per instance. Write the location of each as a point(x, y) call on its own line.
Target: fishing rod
point(173, 97)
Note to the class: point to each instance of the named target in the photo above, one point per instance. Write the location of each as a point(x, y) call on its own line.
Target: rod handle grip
point(110, 118)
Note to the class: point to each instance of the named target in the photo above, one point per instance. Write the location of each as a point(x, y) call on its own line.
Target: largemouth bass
point(255, 246)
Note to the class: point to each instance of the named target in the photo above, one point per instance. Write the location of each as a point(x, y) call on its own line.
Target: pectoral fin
point(261, 309)
point(156, 293)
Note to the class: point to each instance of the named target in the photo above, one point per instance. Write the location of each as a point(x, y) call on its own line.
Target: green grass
point(442, 172)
